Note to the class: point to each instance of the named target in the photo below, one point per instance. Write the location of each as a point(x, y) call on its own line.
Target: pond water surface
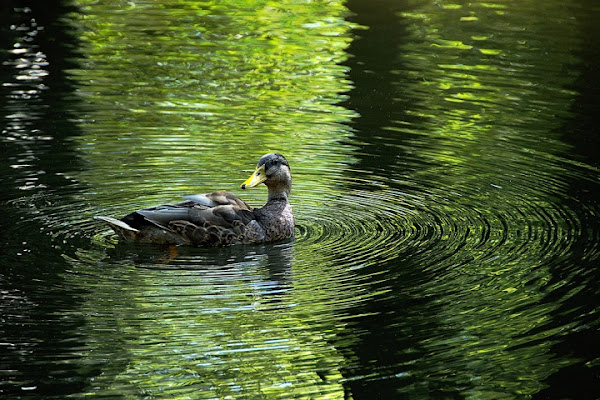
point(445, 158)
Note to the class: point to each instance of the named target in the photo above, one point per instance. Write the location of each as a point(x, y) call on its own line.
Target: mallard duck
point(220, 218)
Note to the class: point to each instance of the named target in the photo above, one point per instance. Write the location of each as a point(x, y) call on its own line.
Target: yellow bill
point(258, 177)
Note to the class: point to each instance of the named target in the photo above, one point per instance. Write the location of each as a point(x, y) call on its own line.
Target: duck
point(219, 218)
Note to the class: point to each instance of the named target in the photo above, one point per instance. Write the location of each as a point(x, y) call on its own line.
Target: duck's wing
point(211, 219)
point(216, 208)
point(190, 211)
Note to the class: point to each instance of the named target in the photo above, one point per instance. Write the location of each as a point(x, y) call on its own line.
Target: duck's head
point(274, 171)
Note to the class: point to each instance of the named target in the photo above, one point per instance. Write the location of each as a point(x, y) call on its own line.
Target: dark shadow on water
point(38, 331)
point(386, 338)
point(580, 381)
point(378, 94)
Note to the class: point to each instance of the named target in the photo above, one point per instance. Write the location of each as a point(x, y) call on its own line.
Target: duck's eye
point(257, 173)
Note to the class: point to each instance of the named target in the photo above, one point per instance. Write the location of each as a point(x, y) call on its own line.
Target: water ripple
point(444, 229)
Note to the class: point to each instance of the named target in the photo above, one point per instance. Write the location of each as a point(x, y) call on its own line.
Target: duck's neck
point(279, 193)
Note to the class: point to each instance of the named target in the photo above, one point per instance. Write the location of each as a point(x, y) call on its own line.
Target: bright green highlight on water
point(236, 75)
point(188, 94)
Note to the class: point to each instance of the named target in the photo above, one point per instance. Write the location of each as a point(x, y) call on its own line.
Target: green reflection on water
point(214, 332)
point(185, 96)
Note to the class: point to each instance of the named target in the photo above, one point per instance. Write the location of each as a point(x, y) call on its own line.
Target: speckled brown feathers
point(219, 218)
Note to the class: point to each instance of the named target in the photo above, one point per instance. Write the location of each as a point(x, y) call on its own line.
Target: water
point(445, 162)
